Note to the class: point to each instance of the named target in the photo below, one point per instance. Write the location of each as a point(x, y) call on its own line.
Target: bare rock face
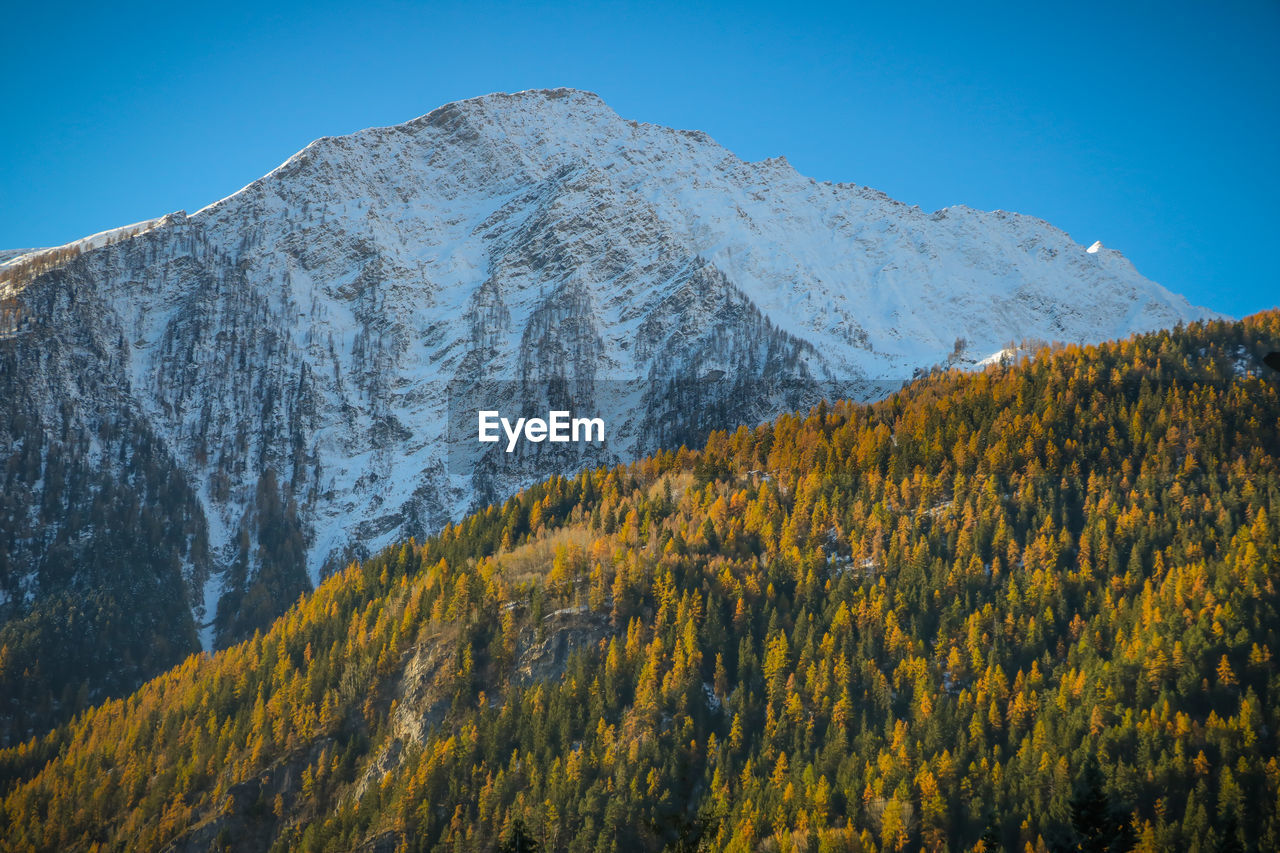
point(203, 414)
point(544, 654)
point(429, 679)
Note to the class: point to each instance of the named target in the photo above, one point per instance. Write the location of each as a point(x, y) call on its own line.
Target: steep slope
point(292, 356)
point(1035, 605)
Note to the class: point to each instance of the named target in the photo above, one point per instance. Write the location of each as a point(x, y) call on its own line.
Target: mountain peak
point(561, 102)
point(560, 96)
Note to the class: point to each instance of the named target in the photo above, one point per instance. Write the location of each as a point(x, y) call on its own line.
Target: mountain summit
point(206, 413)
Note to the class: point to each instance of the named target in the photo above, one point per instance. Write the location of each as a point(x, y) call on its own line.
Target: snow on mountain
point(12, 259)
point(997, 357)
point(7, 255)
point(292, 349)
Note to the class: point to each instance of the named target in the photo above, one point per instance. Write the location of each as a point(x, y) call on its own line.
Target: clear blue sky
point(1154, 127)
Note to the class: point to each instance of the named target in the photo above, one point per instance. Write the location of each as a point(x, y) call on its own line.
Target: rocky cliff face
point(203, 413)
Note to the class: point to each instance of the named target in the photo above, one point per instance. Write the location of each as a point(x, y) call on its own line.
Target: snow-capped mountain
point(270, 378)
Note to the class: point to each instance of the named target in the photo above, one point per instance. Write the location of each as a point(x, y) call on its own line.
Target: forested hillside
point(1033, 607)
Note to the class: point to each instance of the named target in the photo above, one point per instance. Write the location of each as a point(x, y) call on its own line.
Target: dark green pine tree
point(1099, 826)
point(519, 841)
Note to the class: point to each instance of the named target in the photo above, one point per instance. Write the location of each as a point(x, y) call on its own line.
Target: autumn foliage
point(1031, 608)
